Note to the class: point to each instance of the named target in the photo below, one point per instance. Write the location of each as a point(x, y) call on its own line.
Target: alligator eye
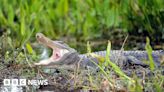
point(37, 36)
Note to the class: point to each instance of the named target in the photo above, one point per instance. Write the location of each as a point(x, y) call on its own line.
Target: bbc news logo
point(23, 82)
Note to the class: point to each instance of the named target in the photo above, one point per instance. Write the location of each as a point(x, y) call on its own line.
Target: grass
point(149, 52)
point(112, 79)
point(84, 20)
point(133, 83)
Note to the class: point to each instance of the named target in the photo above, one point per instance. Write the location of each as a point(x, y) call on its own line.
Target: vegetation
point(76, 22)
point(83, 20)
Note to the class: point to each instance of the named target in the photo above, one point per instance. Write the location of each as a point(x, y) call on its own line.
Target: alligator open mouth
point(59, 49)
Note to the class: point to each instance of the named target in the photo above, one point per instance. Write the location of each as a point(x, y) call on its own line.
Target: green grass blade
point(114, 66)
point(100, 67)
point(88, 47)
point(149, 52)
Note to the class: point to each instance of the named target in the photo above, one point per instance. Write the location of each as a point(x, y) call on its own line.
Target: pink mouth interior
point(56, 54)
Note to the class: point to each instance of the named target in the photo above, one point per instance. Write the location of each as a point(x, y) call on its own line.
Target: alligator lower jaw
point(44, 62)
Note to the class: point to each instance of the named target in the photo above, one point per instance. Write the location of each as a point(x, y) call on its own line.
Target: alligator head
point(62, 53)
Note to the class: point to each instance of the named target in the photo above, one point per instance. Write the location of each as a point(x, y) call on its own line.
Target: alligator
point(63, 54)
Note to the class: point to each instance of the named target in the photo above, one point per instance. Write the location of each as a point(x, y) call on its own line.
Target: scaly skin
point(65, 55)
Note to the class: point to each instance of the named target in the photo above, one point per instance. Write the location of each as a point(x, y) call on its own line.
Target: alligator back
point(135, 57)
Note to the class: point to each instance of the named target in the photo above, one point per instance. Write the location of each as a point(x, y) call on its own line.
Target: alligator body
point(123, 58)
point(65, 55)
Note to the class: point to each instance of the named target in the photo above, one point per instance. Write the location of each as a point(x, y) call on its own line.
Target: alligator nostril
point(37, 36)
